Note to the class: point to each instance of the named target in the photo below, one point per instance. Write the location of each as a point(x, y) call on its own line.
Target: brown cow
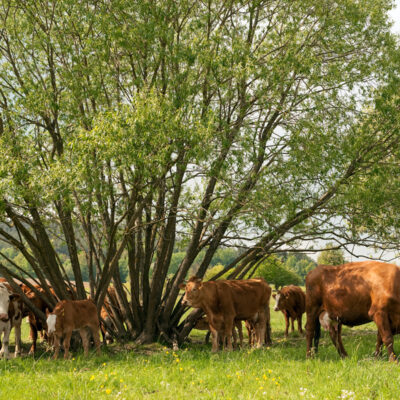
point(36, 324)
point(353, 294)
point(70, 315)
point(224, 301)
point(291, 300)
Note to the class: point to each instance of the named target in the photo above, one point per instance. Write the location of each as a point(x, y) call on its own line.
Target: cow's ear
point(195, 279)
point(182, 286)
point(14, 296)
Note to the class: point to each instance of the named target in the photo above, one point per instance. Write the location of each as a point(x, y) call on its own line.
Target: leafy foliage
point(275, 273)
point(331, 256)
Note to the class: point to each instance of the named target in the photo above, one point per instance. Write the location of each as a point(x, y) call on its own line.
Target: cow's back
point(243, 297)
point(78, 313)
point(295, 297)
point(350, 291)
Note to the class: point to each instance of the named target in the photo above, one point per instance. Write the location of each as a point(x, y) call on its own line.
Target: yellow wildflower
point(92, 377)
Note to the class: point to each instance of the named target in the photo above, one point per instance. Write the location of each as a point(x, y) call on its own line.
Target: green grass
point(156, 372)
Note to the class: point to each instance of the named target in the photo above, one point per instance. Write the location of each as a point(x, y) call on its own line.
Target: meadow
point(128, 371)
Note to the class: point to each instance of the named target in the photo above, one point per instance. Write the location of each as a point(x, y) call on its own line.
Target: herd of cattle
point(350, 294)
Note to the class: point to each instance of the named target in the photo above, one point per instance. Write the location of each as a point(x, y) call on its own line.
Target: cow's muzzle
point(4, 317)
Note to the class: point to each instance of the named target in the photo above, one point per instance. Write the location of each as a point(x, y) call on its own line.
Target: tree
point(299, 263)
point(127, 128)
point(275, 273)
point(331, 256)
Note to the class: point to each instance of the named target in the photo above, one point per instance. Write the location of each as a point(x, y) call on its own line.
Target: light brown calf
point(70, 315)
point(224, 301)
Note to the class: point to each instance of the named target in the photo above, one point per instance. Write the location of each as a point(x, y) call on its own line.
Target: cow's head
point(279, 300)
point(5, 297)
point(193, 293)
point(51, 321)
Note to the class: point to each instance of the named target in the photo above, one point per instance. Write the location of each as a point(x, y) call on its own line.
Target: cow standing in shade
point(224, 301)
point(70, 315)
point(291, 300)
point(10, 316)
point(353, 294)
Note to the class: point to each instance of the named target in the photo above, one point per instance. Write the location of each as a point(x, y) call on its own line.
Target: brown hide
point(353, 294)
point(75, 315)
point(224, 301)
point(292, 303)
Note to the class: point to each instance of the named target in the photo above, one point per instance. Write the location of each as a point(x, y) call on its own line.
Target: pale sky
point(395, 15)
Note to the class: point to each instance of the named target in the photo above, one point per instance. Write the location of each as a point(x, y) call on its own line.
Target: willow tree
point(129, 125)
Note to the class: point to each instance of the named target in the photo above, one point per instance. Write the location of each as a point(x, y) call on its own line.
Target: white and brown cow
point(10, 316)
point(71, 315)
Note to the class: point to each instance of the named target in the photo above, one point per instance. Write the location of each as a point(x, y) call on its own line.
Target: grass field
point(155, 372)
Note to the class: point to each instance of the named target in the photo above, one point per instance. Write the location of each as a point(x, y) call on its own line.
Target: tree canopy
point(127, 126)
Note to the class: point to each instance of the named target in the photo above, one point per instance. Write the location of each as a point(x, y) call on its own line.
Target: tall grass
point(156, 372)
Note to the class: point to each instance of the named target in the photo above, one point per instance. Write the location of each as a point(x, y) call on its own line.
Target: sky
point(395, 16)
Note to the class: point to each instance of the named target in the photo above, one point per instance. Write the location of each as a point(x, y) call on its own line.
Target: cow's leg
point(33, 335)
point(286, 323)
point(17, 333)
point(335, 332)
point(313, 329)
point(214, 339)
point(343, 352)
point(229, 324)
point(85, 341)
point(292, 323)
point(379, 343)
point(56, 340)
point(207, 338)
point(6, 338)
point(299, 327)
point(96, 338)
point(268, 338)
point(249, 332)
point(382, 322)
point(66, 343)
point(261, 326)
